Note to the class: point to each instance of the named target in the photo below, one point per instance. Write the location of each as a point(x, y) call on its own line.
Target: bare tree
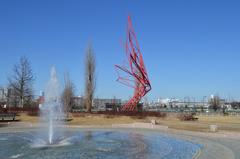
point(21, 82)
point(90, 78)
point(68, 94)
point(215, 103)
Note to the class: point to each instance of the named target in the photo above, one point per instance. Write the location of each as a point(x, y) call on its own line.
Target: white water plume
point(51, 111)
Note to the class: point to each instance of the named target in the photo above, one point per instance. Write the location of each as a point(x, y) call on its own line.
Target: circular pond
point(95, 144)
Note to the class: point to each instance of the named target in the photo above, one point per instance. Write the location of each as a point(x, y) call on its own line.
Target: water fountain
point(51, 111)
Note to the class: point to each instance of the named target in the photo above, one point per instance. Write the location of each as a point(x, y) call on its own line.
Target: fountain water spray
point(51, 111)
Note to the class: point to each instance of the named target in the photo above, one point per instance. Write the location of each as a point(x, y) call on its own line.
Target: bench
point(7, 116)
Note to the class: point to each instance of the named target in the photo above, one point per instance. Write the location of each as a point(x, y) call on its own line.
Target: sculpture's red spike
point(137, 74)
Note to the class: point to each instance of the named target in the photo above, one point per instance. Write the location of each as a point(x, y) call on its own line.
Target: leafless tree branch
point(68, 94)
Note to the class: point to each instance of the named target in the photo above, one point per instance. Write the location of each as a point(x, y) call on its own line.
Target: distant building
point(164, 102)
point(177, 103)
point(101, 104)
point(2, 94)
point(3, 98)
point(8, 97)
point(98, 103)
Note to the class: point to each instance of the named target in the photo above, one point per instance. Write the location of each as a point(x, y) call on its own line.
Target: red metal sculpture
point(135, 72)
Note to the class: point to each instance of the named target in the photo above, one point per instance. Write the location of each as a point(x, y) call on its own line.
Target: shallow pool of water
point(94, 144)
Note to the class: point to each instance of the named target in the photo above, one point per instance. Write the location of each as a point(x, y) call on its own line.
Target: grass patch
point(228, 123)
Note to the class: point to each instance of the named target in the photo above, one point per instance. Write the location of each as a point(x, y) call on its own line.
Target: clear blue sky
point(191, 48)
